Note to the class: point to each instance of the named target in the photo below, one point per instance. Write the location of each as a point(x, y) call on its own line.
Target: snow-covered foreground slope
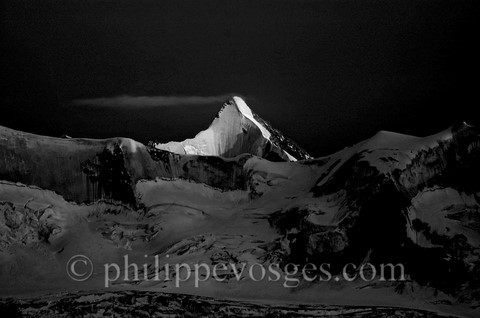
point(188, 223)
point(390, 199)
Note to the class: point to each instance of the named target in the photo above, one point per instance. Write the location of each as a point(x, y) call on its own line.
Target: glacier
point(242, 191)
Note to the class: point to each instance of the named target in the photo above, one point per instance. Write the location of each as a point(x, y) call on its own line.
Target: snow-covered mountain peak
point(236, 130)
point(237, 107)
point(247, 112)
point(392, 198)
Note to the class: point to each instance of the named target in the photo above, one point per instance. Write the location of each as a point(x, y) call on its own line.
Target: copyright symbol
point(79, 268)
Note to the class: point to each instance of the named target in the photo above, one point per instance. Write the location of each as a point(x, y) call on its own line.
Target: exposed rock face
point(452, 163)
point(26, 225)
point(50, 163)
point(148, 304)
point(234, 193)
point(85, 170)
point(218, 172)
point(237, 130)
point(108, 175)
point(415, 202)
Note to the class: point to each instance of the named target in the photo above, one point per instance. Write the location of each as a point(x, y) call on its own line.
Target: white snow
point(435, 206)
point(247, 112)
point(193, 222)
point(233, 132)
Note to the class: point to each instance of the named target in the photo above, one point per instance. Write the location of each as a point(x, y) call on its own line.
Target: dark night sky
point(326, 73)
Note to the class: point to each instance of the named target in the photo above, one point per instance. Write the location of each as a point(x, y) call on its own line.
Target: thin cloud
point(151, 101)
